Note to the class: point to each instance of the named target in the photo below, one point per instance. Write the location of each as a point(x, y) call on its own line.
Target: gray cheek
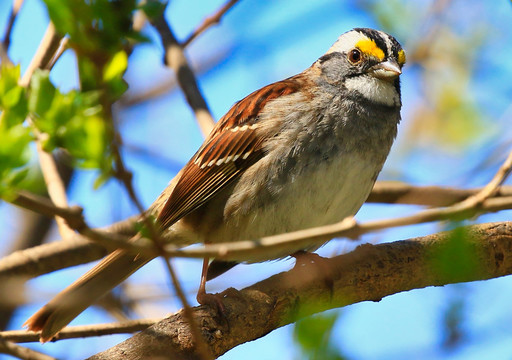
point(335, 70)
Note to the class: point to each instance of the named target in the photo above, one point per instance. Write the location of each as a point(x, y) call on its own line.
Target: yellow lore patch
point(369, 47)
point(401, 57)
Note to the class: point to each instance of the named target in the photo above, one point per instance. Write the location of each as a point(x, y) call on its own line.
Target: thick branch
point(367, 274)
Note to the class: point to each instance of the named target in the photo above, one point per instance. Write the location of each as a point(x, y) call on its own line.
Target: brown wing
point(233, 145)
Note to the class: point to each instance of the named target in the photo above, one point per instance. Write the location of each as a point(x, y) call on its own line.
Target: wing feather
point(233, 146)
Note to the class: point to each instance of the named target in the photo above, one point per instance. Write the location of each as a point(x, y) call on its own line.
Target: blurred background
point(456, 91)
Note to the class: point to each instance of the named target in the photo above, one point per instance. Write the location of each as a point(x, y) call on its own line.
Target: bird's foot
point(216, 300)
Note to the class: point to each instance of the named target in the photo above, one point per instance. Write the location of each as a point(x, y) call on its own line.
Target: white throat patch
point(373, 89)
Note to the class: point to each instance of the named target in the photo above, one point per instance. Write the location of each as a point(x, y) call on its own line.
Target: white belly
point(322, 196)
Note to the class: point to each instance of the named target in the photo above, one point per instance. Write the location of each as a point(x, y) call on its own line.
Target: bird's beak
point(388, 70)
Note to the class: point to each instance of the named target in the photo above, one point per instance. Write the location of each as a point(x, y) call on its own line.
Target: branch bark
point(43, 259)
point(175, 59)
point(369, 273)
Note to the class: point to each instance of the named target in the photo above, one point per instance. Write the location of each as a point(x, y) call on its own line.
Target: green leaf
point(14, 146)
point(17, 176)
point(117, 87)
point(116, 67)
point(89, 74)
point(73, 121)
point(153, 8)
point(96, 28)
point(12, 97)
point(102, 179)
point(313, 335)
point(42, 92)
point(14, 154)
point(457, 258)
point(314, 331)
point(9, 77)
point(62, 13)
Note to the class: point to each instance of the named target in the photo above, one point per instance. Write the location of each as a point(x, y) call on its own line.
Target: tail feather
point(77, 297)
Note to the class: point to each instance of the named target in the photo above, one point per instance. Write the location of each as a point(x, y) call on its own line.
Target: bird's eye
point(354, 56)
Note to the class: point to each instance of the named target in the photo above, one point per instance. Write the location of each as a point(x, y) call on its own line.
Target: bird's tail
point(81, 294)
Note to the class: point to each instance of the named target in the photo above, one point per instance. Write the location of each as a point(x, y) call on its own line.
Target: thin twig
point(16, 6)
point(242, 250)
point(175, 58)
point(46, 50)
point(57, 255)
point(82, 331)
point(7, 347)
point(112, 240)
point(210, 21)
point(49, 257)
point(74, 219)
point(493, 186)
point(56, 188)
point(189, 315)
point(393, 192)
point(163, 86)
point(6, 42)
point(63, 46)
point(126, 178)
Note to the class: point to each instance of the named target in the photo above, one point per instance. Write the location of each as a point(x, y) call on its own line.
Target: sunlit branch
point(175, 59)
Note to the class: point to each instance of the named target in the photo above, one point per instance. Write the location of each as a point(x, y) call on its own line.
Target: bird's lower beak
point(388, 70)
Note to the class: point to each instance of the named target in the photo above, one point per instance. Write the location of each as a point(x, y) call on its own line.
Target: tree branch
point(81, 331)
point(369, 273)
point(210, 21)
point(55, 256)
point(58, 255)
point(4, 45)
point(175, 59)
point(7, 347)
point(393, 192)
point(55, 185)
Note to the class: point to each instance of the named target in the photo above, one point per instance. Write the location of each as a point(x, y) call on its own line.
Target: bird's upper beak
point(387, 70)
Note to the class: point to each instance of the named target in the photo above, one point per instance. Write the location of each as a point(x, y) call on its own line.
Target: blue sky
point(259, 42)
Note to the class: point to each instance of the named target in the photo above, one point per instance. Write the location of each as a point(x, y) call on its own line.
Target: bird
point(299, 153)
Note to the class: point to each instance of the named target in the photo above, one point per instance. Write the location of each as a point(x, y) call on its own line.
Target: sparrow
point(299, 153)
